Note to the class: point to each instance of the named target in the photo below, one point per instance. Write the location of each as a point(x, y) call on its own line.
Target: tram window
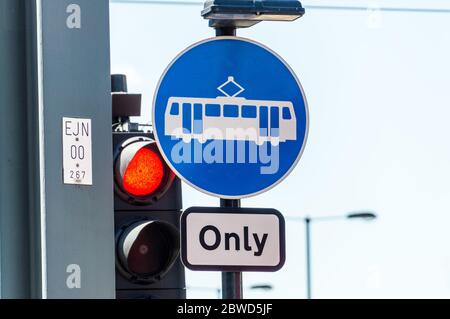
point(249, 111)
point(175, 110)
point(287, 114)
point(213, 110)
point(230, 111)
point(198, 111)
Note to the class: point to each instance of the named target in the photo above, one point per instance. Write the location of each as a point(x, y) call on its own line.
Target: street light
point(234, 14)
point(363, 215)
point(263, 287)
point(366, 216)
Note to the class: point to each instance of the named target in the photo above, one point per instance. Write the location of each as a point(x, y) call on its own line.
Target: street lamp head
point(245, 13)
point(369, 216)
point(265, 287)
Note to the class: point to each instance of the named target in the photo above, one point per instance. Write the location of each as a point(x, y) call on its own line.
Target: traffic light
point(147, 206)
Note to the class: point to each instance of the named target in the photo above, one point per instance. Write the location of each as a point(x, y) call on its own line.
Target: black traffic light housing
point(161, 215)
point(148, 265)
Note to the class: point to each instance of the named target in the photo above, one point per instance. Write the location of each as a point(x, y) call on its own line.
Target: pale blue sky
point(378, 87)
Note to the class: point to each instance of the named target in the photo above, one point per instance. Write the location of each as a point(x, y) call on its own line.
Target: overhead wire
point(308, 7)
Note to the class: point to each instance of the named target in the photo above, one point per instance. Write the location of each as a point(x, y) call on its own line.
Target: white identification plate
point(77, 151)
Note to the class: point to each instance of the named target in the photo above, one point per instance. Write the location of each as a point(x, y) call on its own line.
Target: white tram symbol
point(230, 118)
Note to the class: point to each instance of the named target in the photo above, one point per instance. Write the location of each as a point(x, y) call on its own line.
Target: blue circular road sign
point(230, 117)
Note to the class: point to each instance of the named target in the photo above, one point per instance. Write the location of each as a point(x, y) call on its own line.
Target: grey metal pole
point(231, 281)
point(55, 214)
point(16, 162)
point(308, 257)
point(219, 293)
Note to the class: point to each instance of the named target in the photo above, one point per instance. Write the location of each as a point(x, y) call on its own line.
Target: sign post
point(230, 117)
point(232, 287)
point(231, 281)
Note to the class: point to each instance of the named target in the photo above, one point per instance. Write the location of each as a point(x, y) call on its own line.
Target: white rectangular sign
point(236, 239)
point(77, 151)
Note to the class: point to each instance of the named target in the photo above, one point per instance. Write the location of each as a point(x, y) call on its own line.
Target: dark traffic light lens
point(148, 249)
point(149, 253)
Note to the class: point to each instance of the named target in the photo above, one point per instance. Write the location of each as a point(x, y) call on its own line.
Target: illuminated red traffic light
point(144, 173)
point(141, 174)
